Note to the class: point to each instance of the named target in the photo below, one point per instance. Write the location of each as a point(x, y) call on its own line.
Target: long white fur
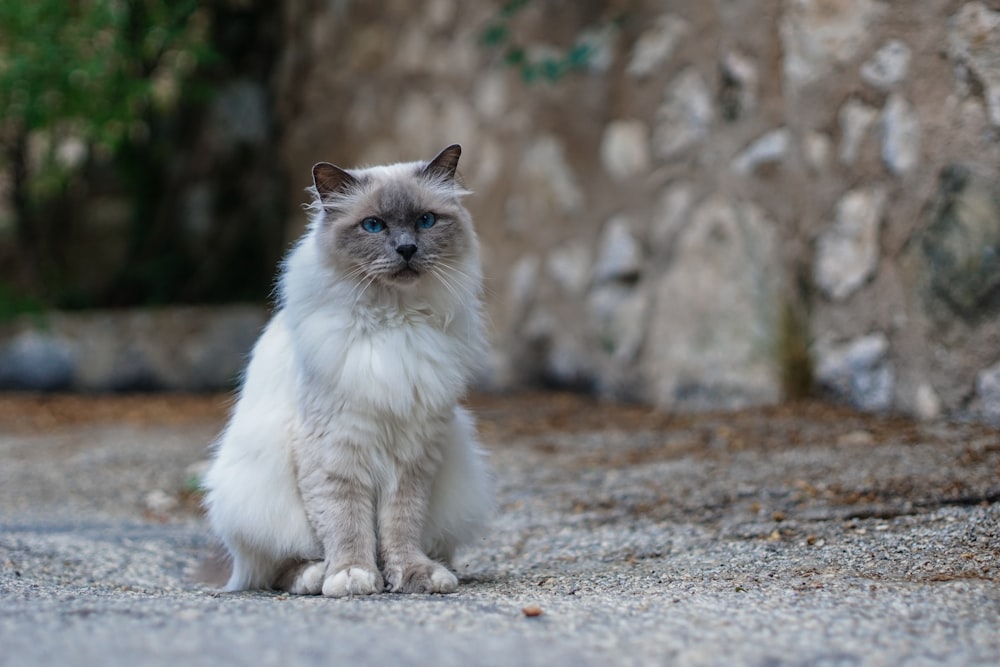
point(346, 360)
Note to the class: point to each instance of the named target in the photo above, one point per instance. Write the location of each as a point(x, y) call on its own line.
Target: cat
point(348, 466)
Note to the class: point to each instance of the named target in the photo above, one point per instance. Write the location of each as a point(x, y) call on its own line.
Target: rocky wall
point(152, 349)
point(730, 203)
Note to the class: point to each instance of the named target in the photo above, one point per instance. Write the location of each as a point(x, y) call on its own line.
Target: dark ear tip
point(321, 166)
point(329, 178)
point(445, 163)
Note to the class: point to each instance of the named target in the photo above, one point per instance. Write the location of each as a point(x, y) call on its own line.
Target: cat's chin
point(404, 277)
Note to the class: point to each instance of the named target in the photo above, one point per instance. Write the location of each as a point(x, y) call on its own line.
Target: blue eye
point(426, 221)
point(373, 225)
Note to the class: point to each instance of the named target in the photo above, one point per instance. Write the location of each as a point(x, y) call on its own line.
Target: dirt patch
point(785, 462)
point(26, 413)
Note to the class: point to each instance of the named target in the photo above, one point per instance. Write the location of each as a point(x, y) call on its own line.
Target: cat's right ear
point(331, 180)
point(445, 163)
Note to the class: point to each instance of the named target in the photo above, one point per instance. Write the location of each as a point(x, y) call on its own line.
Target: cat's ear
point(445, 164)
point(330, 179)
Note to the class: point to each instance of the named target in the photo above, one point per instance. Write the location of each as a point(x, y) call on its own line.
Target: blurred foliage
point(13, 304)
point(534, 64)
point(85, 73)
point(106, 130)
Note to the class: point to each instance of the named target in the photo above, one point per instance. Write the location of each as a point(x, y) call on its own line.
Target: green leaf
point(580, 55)
point(494, 34)
point(515, 56)
point(512, 7)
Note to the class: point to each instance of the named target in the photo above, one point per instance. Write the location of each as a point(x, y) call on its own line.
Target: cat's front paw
point(353, 580)
point(422, 578)
point(303, 578)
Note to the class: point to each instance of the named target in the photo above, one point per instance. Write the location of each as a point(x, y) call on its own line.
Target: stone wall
point(730, 204)
point(173, 349)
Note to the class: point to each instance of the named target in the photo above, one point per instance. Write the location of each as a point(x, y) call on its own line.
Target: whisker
point(371, 280)
point(453, 269)
point(443, 279)
point(357, 273)
point(468, 278)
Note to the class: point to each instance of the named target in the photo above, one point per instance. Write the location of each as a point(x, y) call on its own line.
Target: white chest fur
point(395, 363)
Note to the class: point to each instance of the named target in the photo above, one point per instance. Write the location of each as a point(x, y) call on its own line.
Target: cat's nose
point(407, 251)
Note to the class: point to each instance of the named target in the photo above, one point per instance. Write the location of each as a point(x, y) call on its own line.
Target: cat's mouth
point(407, 274)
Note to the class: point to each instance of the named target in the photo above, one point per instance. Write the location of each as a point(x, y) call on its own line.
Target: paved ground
point(801, 535)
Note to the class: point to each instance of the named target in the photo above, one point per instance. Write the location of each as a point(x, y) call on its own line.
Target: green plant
point(12, 303)
point(501, 35)
point(78, 80)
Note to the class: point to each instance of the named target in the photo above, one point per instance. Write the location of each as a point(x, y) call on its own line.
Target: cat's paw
point(305, 579)
point(353, 580)
point(422, 578)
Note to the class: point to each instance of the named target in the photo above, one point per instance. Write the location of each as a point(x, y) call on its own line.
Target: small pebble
point(532, 610)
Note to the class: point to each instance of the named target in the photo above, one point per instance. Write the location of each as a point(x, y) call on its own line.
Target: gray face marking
point(402, 252)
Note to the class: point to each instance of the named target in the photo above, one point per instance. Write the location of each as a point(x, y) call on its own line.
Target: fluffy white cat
point(348, 466)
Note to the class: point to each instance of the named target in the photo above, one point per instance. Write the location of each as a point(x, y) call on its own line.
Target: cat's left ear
point(445, 164)
point(330, 179)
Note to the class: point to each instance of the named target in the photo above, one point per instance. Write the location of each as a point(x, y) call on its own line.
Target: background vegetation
point(105, 123)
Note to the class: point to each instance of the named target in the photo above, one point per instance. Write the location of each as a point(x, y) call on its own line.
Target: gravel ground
point(799, 535)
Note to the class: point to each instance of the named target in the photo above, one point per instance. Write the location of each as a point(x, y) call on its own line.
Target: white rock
point(600, 44)
point(684, 118)
point(490, 95)
point(817, 35)
point(926, 403)
point(888, 67)
point(487, 163)
point(671, 214)
point(856, 119)
point(569, 265)
point(857, 371)
point(656, 45)
point(625, 148)
point(769, 148)
point(544, 164)
point(620, 255)
point(988, 393)
point(522, 286)
point(847, 251)
point(816, 149)
point(617, 316)
point(900, 131)
point(569, 363)
point(159, 501)
point(974, 41)
point(714, 319)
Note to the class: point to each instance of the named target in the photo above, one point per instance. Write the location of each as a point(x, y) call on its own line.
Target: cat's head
point(396, 225)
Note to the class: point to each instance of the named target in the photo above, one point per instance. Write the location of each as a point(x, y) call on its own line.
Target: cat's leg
point(341, 509)
point(302, 578)
point(402, 514)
